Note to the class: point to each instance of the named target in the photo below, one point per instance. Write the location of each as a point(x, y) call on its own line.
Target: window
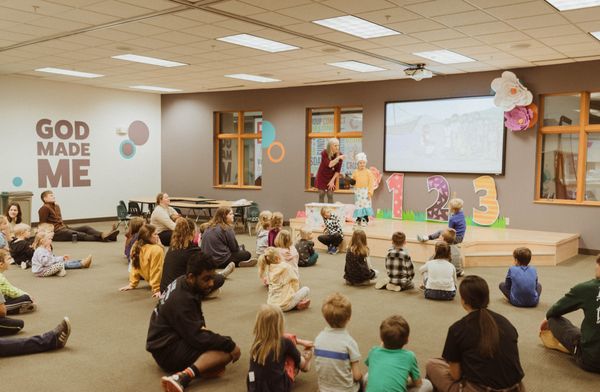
point(238, 153)
point(568, 149)
point(344, 123)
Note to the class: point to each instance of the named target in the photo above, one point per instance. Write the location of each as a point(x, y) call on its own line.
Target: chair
point(134, 209)
point(252, 217)
point(122, 215)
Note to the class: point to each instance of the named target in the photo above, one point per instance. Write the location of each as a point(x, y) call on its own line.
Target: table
point(195, 203)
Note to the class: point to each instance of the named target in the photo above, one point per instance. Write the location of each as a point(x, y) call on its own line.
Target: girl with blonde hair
point(274, 358)
point(287, 251)
point(262, 231)
point(357, 270)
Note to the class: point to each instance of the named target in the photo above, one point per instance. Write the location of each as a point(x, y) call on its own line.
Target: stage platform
point(482, 246)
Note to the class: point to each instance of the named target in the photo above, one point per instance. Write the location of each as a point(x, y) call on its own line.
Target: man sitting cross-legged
point(178, 338)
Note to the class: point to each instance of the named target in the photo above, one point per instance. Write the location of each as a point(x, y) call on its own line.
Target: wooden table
point(193, 204)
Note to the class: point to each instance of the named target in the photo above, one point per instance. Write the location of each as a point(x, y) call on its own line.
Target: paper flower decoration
point(518, 119)
point(510, 92)
point(376, 175)
point(534, 119)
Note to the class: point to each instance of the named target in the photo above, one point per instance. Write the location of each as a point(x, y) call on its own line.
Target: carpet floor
point(106, 350)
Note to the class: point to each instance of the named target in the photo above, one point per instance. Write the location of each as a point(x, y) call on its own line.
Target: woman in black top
point(481, 351)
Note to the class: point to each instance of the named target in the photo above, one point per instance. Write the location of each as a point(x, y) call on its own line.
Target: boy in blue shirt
point(521, 286)
point(392, 368)
point(456, 221)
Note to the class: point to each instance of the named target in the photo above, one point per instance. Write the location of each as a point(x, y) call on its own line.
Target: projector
point(418, 72)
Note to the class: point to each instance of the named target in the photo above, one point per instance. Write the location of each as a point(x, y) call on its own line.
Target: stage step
point(504, 259)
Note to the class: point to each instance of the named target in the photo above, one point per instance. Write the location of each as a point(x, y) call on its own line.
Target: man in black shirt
point(177, 336)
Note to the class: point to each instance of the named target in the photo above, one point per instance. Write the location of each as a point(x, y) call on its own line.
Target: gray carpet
point(106, 349)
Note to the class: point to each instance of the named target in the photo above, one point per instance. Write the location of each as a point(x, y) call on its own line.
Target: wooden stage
point(482, 246)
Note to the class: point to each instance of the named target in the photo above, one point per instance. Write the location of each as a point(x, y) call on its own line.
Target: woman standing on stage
point(329, 170)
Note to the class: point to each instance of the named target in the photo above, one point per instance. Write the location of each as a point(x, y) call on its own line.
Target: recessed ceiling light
point(596, 34)
point(356, 26)
point(357, 66)
point(69, 72)
point(148, 60)
point(155, 88)
point(254, 42)
point(444, 57)
point(566, 5)
point(252, 78)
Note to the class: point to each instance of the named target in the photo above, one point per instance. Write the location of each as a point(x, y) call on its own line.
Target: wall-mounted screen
point(455, 135)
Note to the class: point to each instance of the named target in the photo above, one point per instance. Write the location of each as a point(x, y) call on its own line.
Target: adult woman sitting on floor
point(164, 217)
point(481, 352)
point(181, 249)
point(219, 242)
point(147, 257)
point(14, 215)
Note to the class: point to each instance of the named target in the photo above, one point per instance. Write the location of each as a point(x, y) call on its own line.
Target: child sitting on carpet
point(456, 221)
point(262, 231)
point(306, 248)
point(275, 227)
point(332, 232)
point(274, 359)
point(284, 285)
point(398, 265)
point(44, 263)
point(449, 237)
point(358, 270)
point(135, 224)
point(20, 247)
point(521, 286)
point(4, 232)
point(287, 251)
point(16, 300)
point(439, 275)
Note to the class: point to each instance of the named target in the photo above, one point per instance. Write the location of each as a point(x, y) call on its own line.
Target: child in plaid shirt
point(399, 266)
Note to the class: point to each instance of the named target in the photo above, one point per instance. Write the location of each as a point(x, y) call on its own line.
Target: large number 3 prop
point(438, 211)
point(489, 201)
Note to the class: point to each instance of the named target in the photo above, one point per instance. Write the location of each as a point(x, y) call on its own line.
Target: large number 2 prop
point(438, 211)
point(395, 184)
point(489, 201)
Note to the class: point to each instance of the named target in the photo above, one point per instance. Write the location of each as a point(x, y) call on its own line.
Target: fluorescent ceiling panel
point(155, 88)
point(69, 72)
point(254, 42)
point(444, 57)
point(356, 26)
point(566, 5)
point(596, 34)
point(357, 66)
point(252, 78)
point(148, 60)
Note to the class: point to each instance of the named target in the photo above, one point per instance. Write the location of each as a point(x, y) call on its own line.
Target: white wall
point(23, 102)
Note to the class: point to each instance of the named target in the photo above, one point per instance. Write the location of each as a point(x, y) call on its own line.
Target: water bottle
point(74, 238)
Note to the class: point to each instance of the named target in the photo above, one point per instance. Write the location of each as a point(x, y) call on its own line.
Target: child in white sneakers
point(398, 265)
point(44, 263)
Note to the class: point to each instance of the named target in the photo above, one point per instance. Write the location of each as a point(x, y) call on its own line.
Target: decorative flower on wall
point(518, 119)
point(510, 92)
point(376, 176)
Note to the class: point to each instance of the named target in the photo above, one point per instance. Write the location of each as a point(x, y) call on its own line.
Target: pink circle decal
point(138, 132)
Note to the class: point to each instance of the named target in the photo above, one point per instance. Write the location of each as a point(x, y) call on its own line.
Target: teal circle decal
point(127, 149)
point(268, 134)
point(17, 181)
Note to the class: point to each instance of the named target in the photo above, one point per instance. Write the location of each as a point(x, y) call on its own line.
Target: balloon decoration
point(516, 101)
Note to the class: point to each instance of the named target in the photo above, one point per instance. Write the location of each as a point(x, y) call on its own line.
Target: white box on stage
point(314, 220)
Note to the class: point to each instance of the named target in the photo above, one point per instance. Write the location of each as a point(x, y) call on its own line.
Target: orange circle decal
point(281, 154)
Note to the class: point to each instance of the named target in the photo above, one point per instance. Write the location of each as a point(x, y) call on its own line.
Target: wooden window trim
point(240, 136)
point(337, 117)
point(581, 130)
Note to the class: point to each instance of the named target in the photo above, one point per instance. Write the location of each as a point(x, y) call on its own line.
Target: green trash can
point(24, 200)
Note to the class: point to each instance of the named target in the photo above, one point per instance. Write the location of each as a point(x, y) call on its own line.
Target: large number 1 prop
point(489, 201)
point(438, 211)
point(395, 184)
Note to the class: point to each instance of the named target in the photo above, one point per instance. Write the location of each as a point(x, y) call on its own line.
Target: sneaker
point(248, 263)
point(329, 249)
point(334, 250)
point(62, 273)
point(176, 382)
point(24, 265)
point(213, 294)
point(62, 332)
point(393, 287)
point(304, 304)
point(422, 237)
point(85, 263)
point(228, 270)
point(381, 283)
point(27, 308)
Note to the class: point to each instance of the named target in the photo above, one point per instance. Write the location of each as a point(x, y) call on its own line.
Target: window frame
point(337, 133)
point(582, 130)
point(240, 137)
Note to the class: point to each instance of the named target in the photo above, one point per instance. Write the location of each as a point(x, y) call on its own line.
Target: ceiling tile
point(413, 26)
point(58, 24)
point(485, 28)
point(503, 37)
point(554, 31)
point(142, 29)
point(356, 6)
point(177, 37)
point(148, 42)
point(539, 21)
point(568, 39)
point(310, 12)
point(171, 22)
point(276, 4)
point(239, 26)
point(436, 35)
point(395, 40)
point(583, 15)
point(465, 18)
point(200, 16)
point(493, 3)
point(117, 8)
point(531, 8)
point(157, 5)
point(209, 31)
point(390, 15)
point(237, 7)
point(440, 7)
point(276, 19)
point(87, 17)
point(457, 43)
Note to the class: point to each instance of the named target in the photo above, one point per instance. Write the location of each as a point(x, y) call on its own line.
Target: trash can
point(24, 200)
